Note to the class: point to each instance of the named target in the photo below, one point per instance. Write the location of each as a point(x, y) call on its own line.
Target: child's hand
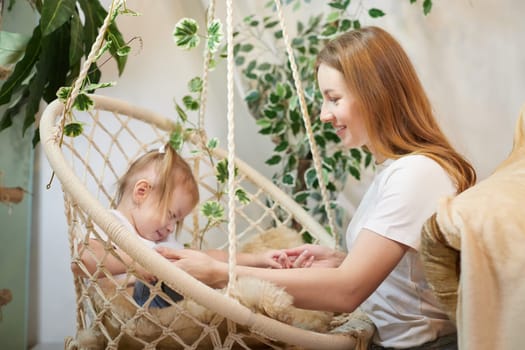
point(145, 274)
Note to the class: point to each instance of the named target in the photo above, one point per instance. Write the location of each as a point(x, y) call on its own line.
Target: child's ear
point(141, 191)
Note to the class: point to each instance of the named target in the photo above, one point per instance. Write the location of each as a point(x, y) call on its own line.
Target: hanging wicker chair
point(88, 167)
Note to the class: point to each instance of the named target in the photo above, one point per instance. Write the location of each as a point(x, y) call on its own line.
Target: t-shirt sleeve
point(409, 195)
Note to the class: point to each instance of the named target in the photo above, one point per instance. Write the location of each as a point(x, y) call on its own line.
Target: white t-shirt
point(404, 193)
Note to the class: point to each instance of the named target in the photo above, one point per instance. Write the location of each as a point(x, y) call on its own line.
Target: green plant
point(52, 56)
point(271, 98)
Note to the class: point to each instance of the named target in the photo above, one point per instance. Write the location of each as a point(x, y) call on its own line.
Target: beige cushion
point(486, 224)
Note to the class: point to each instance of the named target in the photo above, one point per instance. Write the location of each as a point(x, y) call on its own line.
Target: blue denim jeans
point(141, 294)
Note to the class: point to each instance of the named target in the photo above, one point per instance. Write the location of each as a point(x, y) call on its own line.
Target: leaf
point(252, 96)
point(275, 159)
point(118, 48)
point(283, 146)
point(176, 140)
point(375, 13)
point(215, 35)
point(12, 47)
point(310, 177)
point(221, 170)
point(427, 6)
point(55, 47)
point(190, 103)
point(213, 211)
point(195, 84)
point(76, 40)
point(212, 143)
point(302, 196)
point(54, 14)
point(288, 179)
point(182, 114)
point(83, 102)
point(246, 47)
point(73, 129)
point(22, 69)
point(92, 87)
point(185, 33)
point(63, 93)
point(242, 196)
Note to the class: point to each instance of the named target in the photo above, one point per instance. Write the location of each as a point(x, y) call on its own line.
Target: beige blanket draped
point(483, 230)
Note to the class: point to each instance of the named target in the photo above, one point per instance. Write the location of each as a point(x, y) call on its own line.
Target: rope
point(90, 59)
point(307, 124)
point(232, 251)
point(207, 58)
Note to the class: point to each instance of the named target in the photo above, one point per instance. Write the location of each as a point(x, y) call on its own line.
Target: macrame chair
point(115, 133)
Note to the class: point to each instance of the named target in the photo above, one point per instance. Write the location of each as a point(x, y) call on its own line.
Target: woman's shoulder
point(416, 169)
point(417, 164)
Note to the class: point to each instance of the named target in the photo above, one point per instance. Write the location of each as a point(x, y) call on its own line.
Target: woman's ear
point(141, 191)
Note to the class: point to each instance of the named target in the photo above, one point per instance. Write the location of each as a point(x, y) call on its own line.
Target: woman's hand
point(312, 255)
point(198, 264)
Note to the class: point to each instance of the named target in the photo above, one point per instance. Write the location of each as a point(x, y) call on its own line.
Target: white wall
point(469, 54)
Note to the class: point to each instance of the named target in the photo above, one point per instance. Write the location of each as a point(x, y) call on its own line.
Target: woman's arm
point(339, 289)
point(269, 258)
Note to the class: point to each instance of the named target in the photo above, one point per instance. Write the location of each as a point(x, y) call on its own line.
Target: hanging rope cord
point(308, 125)
point(232, 239)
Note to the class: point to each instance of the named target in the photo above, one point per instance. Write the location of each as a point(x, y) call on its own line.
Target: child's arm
point(112, 264)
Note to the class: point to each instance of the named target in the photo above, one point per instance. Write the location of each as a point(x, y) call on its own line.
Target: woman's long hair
point(397, 112)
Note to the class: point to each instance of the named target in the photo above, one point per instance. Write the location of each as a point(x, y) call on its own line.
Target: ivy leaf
point(221, 171)
point(215, 35)
point(55, 13)
point(301, 197)
point(83, 102)
point(212, 143)
point(213, 211)
point(252, 96)
point(73, 129)
point(182, 114)
point(275, 159)
point(93, 87)
point(427, 6)
point(176, 140)
point(375, 13)
point(190, 103)
point(310, 177)
point(283, 146)
point(195, 84)
point(288, 179)
point(185, 33)
point(242, 196)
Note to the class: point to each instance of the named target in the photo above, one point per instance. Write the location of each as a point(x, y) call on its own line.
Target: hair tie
point(162, 149)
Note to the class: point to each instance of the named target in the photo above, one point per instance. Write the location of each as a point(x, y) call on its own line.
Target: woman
point(374, 99)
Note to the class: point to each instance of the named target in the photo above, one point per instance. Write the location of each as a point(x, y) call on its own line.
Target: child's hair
point(398, 115)
point(171, 170)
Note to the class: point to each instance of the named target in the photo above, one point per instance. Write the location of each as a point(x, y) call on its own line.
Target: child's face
point(152, 225)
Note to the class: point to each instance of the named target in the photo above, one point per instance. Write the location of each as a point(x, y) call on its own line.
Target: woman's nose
point(326, 116)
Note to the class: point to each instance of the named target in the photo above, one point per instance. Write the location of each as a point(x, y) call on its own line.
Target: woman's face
point(340, 108)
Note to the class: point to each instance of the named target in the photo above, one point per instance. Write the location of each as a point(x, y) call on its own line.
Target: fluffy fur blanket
point(134, 327)
point(483, 230)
